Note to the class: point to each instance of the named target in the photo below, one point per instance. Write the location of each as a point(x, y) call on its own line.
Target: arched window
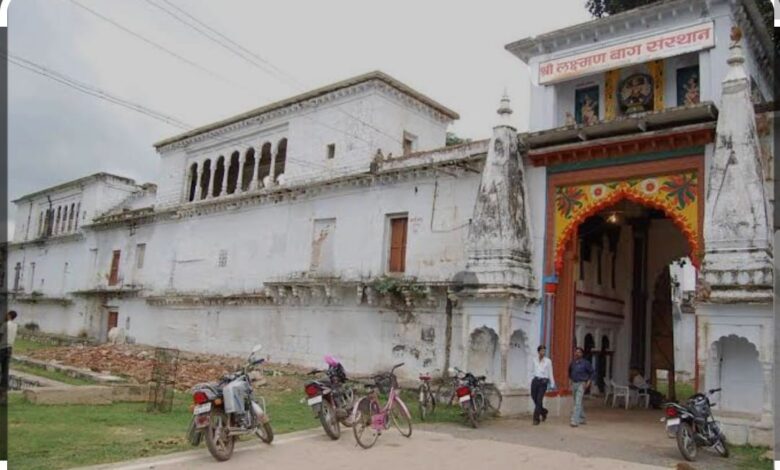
point(219, 176)
point(605, 343)
point(57, 220)
point(205, 178)
point(78, 209)
point(193, 181)
point(232, 181)
point(281, 158)
point(71, 216)
point(40, 224)
point(64, 218)
point(265, 163)
point(249, 167)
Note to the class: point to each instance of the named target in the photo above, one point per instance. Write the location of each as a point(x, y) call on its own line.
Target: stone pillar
point(240, 179)
point(272, 171)
point(254, 184)
point(225, 169)
point(210, 193)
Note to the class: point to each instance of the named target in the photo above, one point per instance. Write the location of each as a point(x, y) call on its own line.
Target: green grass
point(684, 390)
point(50, 374)
point(60, 436)
point(23, 346)
point(750, 457)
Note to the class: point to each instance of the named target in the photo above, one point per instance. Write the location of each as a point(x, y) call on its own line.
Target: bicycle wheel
point(493, 398)
point(365, 434)
point(401, 417)
point(425, 401)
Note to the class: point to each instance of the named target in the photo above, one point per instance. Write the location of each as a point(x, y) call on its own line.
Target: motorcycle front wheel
point(218, 440)
point(470, 412)
point(265, 432)
point(329, 421)
point(686, 442)
point(722, 447)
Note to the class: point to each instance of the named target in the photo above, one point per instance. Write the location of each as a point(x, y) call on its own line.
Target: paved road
point(427, 450)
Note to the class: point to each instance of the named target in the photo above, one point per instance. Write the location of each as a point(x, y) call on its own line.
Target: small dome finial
point(505, 110)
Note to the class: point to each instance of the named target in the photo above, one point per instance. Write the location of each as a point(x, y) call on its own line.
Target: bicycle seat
point(425, 377)
point(481, 377)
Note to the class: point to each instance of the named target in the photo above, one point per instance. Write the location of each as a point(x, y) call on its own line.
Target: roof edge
point(75, 182)
point(374, 75)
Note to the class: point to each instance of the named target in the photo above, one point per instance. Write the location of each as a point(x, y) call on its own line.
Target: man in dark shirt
point(581, 376)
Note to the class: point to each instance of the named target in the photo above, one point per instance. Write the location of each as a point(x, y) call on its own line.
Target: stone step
point(31, 380)
point(75, 372)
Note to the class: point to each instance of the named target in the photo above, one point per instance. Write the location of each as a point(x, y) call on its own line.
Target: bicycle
point(425, 398)
point(370, 419)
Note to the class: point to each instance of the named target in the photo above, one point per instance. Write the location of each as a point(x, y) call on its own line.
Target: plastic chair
point(640, 394)
point(608, 390)
point(620, 391)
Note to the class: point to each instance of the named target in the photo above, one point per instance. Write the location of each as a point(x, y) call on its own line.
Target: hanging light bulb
point(613, 218)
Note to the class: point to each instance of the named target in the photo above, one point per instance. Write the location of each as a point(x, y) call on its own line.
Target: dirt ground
point(612, 439)
point(136, 363)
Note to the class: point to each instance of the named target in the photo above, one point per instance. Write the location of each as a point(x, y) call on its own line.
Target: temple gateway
point(632, 219)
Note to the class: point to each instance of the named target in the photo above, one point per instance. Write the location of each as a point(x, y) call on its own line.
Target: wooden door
point(398, 245)
point(563, 318)
point(113, 277)
point(113, 320)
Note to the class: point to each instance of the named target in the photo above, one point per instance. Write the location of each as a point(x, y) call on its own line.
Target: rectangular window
point(397, 258)
point(409, 142)
point(113, 277)
point(140, 252)
point(331, 151)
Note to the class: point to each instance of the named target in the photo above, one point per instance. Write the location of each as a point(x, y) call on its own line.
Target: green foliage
point(64, 436)
point(398, 287)
point(601, 8)
point(453, 139)
point(50, 374)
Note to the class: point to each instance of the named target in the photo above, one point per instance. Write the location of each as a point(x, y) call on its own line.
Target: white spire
point(505, 110)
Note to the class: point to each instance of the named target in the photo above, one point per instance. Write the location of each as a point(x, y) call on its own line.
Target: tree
point(601, 8)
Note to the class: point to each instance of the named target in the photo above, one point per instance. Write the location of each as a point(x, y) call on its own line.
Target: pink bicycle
point(370, 419)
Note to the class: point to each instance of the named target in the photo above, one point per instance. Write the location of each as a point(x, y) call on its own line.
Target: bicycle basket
point(385, 382)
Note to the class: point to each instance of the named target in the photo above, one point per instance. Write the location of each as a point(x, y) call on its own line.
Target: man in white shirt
point(541, 379)
point(7, 338)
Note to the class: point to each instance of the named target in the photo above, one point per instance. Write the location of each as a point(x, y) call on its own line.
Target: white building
point(338, 222)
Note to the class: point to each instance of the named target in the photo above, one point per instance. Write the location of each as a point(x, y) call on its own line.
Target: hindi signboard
point(667, 44)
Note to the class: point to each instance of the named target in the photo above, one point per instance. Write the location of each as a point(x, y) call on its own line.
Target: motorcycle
point(331, 400)
point(225, 410)
point(470, 396)
point(693, 426)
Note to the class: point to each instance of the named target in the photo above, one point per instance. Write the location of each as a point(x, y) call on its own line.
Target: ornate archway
point(673, 186)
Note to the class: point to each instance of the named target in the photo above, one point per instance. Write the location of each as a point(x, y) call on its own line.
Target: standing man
point(7, 337)
point(581, 376)
point(542, 379)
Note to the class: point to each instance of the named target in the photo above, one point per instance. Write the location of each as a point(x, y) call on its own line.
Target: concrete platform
point(87, 394)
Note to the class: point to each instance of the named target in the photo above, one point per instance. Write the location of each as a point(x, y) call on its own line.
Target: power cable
point(93, 91)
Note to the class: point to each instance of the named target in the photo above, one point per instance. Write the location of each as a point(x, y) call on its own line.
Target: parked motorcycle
point(470, 395)
point(331, 400)
point(694, 426)
point(225, 410)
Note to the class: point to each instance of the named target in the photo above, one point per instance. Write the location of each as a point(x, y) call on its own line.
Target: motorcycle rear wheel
point(329, 421)
point(219, 443)
point(686, 442)
point(471, 414)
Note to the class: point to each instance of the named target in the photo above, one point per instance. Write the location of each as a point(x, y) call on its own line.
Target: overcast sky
point(454, 53)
